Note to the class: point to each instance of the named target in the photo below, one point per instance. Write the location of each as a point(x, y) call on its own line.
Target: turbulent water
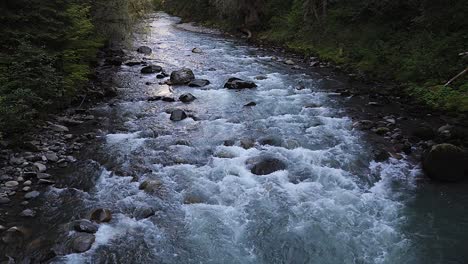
point(333, 203)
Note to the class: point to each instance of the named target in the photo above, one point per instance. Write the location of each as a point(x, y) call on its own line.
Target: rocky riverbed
point(214, 151)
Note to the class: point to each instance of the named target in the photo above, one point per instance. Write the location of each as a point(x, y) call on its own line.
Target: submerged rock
point(236, 83)
point(247, 143)
point(151, 69)
point(151, 186)
point(178, 115)
point(445, 162)
point(199, 83)
point(82, 242)
point(85, 226)
point(267, 166)
point(187, 98)
point(101, 215)
point(197, 50)
point(250, 104)
point(144, 50)
point(182, 76)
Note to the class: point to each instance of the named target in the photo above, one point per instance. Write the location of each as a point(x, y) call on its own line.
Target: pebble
point(27, 183)
point(11, 184)
point(28, 213)
point(40, 167)
point(31, 195)
point(43, 176)
point(4, 200)
point(26, 189)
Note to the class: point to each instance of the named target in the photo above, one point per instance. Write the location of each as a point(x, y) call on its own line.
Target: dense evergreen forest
point(47, 51)
point(421, 44)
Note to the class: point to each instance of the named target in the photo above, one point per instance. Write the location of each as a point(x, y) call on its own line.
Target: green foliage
point(47, 49)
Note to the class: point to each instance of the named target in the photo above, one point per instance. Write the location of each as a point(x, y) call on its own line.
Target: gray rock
point(4, 200)
point(236, 83)
point(11, 184)
point(41, 175)
point(44, 181)
point(445, 162)
point(52, 156)
point(289, 62)
point(32, 195)
point(26, 189)
point(178, 115)
point(17, 161)
point(151, 186)
point(197, 50)
point(13, 235)
point(267, 166)
point(250, 104)
point(40, 167)
point(101, 215)
point(187, 98)
point(28, 213)
point(85, 226)
point(82, 242)
point(198, 83)
point(143, 212)
point(144, 50)
point(58, 128)
point(182, 76)
point(247, 143)
point(151, 69)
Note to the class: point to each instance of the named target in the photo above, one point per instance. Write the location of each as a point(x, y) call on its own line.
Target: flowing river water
point(332, 203)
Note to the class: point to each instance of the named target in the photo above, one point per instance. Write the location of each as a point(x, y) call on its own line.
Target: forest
point(48, 49)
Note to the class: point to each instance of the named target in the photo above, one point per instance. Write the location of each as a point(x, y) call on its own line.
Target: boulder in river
point(250, 104)
point(187, 98)
point(101, 215)
point(144, 50)
point(445, 162)
point(247, 143)
point(82, 242)
point(151, 69)
point(151, 186)
point(199, 83)
point(85, 226)
point(178, 115)
point(197, 50)
point(182, 76)
point(236, 83)
point(267, 166)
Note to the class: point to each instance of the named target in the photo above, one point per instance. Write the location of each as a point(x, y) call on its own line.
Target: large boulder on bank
point(101, 215)
point(151, 69)
point(236, 83)
point(182, 76)
point(445, 162)
point(145, 50)
point(267, 165)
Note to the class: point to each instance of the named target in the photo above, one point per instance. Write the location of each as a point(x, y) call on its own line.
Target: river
point(332, 204)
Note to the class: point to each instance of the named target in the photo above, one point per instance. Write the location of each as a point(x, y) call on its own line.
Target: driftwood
point(457, 76)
